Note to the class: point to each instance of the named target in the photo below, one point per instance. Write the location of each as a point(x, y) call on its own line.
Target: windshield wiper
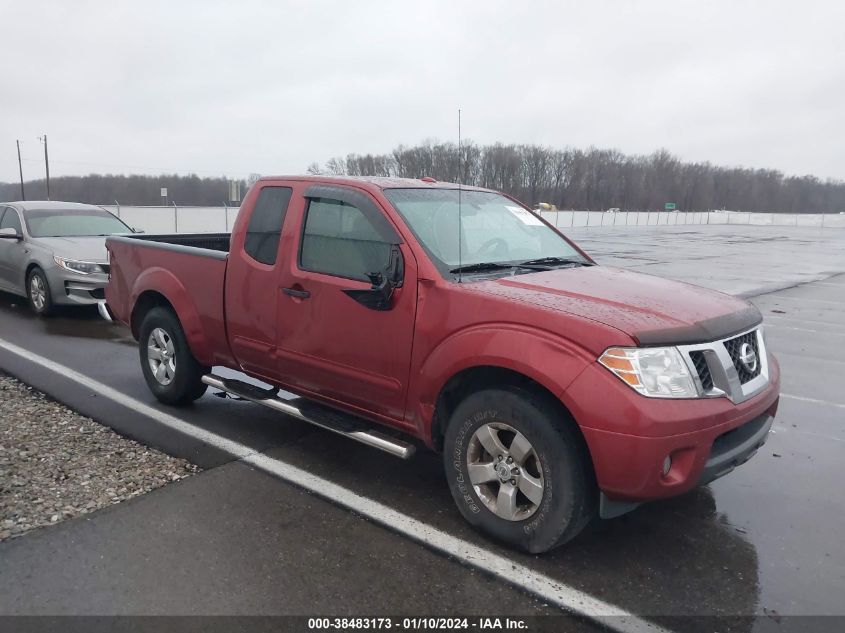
point(554, 261)
point(482, 267)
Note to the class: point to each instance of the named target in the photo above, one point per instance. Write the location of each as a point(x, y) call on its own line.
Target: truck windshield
point(72, 223)
point(494, 232)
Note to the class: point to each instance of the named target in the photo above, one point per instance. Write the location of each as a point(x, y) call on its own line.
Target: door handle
point(293, 292)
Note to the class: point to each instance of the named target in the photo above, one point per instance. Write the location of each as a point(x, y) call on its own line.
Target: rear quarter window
point(265, 224)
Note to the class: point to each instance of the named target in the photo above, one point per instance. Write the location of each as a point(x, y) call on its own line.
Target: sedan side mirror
point(10, 234)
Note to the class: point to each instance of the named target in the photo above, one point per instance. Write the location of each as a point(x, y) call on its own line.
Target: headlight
point(656, 372)
point(83, 268)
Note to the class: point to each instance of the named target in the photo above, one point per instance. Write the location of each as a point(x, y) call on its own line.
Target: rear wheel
point(170, 369)
point(517, 470)
point(38, 293)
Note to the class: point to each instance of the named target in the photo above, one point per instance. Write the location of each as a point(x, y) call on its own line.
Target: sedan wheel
point(38, 292)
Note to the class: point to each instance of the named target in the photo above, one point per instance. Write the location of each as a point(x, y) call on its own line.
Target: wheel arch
point(480, 377)
point(145, 302)
point(31, 265)
point(158, 287)
point(492, 354)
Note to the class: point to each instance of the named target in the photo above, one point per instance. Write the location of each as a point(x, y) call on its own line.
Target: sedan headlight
point(83, 268)
point(656, 372)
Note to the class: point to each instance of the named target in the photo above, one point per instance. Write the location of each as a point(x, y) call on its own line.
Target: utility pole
point(46, 163)
point(20, 169)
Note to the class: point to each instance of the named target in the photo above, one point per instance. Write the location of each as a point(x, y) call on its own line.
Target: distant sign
point(234, 191)
point(670, 206)
point(164, 192)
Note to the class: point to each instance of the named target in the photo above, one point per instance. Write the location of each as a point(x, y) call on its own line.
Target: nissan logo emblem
point(748, 358)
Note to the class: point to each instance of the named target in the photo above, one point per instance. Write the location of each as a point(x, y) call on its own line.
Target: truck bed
point(170, 267)
point(207, 241)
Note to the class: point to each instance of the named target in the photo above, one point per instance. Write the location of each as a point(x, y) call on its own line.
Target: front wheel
point(38, 293)
point(170, 369)
point(518, 470)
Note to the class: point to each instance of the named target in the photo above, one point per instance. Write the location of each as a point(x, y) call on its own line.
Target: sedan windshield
point(492, 233)
point(73, 223)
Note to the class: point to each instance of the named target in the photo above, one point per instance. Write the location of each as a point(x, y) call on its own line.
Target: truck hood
point(86, 249)
point(652, 310)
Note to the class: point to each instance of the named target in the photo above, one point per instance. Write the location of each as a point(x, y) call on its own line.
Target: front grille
point(98, 293)
point(734, 347)
point(105, 268)
point(703, 369)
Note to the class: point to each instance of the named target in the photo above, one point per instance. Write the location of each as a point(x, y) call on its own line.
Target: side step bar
point(313, 413)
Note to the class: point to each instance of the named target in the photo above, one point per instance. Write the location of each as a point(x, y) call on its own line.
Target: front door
point(12, 253)
point(328, 342)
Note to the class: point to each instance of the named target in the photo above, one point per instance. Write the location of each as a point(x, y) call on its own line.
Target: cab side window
point(265, 224)
point(10, 220)
point(338, 239)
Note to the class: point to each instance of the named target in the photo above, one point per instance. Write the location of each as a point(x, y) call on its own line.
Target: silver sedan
point(54, 253)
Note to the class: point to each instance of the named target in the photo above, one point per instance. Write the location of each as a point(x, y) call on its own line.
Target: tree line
point(591, 179)
point(128, 190)
point(599, 179)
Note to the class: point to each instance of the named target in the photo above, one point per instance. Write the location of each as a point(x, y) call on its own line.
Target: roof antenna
point(460, 175)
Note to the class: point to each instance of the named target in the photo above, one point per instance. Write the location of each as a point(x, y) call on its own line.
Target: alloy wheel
point(161, 356)
point(37, 292)
point(505, 471)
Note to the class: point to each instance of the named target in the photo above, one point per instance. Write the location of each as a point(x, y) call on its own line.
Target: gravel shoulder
point(56, 464)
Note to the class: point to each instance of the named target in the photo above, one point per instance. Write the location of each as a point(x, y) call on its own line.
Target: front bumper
point(629, 436)
point(69, 288)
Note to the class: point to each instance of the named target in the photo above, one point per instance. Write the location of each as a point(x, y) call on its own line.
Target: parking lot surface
point(761, 541)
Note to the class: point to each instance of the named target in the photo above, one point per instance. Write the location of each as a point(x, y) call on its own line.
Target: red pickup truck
point(395, 310)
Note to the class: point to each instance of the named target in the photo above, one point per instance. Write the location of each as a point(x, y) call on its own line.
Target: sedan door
point(12, 253)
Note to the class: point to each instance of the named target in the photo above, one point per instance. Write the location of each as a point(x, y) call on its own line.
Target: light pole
point(43, 139)
point(20, 169)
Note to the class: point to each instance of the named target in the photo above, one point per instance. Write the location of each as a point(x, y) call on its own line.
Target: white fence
point(599, 219)
point(175, 219)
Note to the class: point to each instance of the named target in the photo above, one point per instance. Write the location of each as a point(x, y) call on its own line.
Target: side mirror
point(384, 283)
point(10, 234)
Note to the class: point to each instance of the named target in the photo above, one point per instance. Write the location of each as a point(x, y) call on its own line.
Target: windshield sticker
point(525, 216)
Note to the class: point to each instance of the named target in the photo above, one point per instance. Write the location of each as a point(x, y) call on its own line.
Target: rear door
point(252, 281)
point(328, 342)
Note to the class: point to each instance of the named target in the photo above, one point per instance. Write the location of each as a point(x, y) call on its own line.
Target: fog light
point(667, 465)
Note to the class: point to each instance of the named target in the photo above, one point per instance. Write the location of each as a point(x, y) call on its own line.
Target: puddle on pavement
point(72, 321)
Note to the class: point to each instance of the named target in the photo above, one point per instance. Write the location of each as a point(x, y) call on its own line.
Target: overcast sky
point(237, 87)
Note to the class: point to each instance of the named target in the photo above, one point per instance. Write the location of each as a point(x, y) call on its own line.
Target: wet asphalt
point(764, 541)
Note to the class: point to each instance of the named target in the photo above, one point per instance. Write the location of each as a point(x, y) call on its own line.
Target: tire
point(38, 293)
point(179, 380)
point(556, 473)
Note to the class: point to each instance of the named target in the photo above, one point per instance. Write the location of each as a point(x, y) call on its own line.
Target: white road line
point(813, 400)
point(544, 587)
point(779, 297)
point(780, 317)
point(803, 329)
point(779, 353)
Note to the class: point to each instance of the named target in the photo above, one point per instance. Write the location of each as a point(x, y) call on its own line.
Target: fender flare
point(546, 358)
point(166, 284)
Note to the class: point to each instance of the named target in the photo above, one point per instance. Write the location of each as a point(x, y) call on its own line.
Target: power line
point(159, 169)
